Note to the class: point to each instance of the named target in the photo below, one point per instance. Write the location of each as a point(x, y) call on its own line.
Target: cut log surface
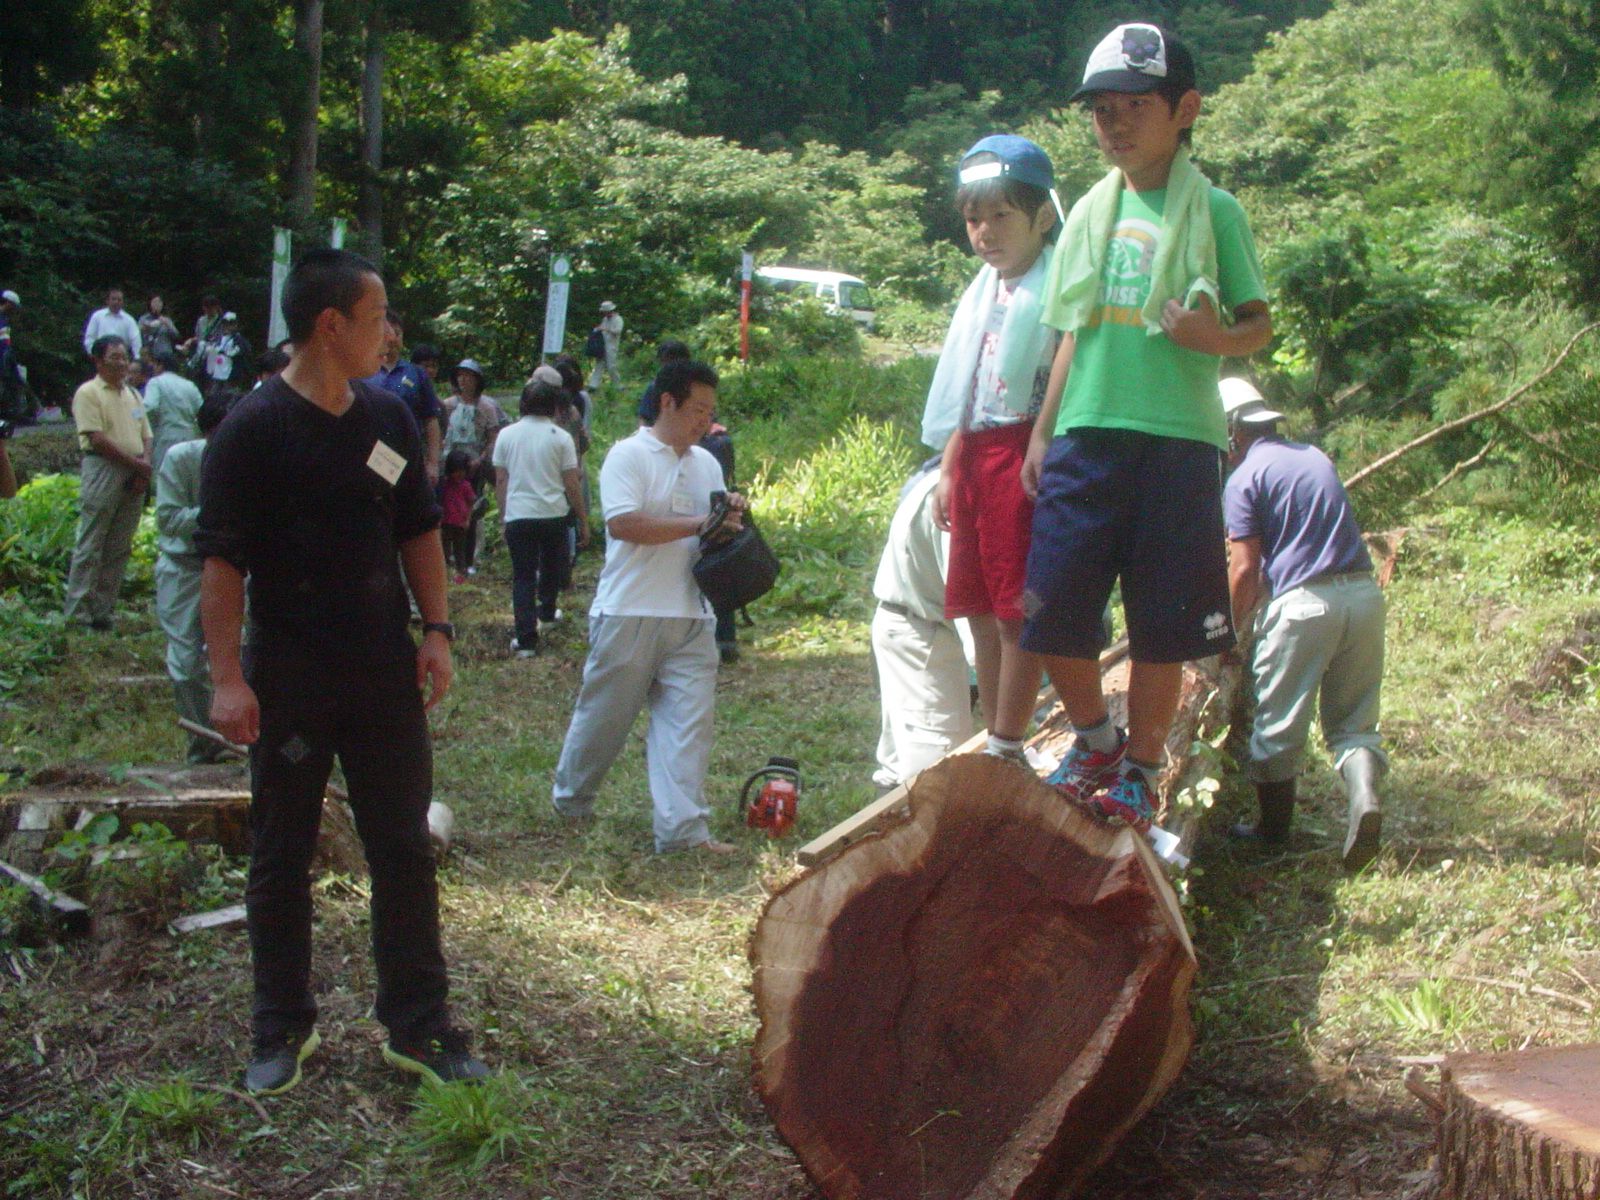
point(209, 804)
point(1521, 1126)
point(976, 1002)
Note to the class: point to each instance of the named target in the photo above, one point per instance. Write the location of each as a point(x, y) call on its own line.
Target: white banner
point(555, 305)
point(277, 328)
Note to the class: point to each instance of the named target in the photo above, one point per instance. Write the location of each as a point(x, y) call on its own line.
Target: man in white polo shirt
point(650, 628)
point(112, 321)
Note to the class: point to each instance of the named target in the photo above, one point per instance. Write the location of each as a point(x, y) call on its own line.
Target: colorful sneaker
point(441, 1059)
point(1129, 799)
point(1083, 771)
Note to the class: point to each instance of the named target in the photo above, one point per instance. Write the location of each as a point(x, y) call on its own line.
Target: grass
point(611, 988)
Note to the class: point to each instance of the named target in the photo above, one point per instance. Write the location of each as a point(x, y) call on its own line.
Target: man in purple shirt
point(412, 384)
point(1319, 635)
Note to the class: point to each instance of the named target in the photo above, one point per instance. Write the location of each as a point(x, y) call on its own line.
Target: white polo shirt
point(642, 474)
point(534, 451)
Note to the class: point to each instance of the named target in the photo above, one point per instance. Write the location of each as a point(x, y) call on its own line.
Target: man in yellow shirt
point(116, 440)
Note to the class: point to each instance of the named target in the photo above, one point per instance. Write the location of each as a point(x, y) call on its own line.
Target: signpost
point(282, 259)
point(746, 268)
point(555, 305)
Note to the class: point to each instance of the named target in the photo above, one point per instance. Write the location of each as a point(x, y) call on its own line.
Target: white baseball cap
point(1242, 404)
point(11, 297)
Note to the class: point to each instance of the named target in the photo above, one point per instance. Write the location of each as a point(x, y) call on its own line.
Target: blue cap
point(1017, 158)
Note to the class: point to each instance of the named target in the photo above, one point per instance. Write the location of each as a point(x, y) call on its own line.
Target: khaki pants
point(109, 514)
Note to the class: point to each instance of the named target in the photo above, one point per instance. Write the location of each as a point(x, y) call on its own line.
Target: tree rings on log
point(1521, 1126)
point(976, 1002)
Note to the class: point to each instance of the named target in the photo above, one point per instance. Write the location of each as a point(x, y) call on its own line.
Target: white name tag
point(386, 463)
point(682, 506)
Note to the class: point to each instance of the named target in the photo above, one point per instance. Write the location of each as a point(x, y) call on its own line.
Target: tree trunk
point(976, 1002)
point(209, 34)
point(303, 123)
point(1521, 1126)
point(369, 199)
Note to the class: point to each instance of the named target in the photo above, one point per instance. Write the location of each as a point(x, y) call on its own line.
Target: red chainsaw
point(776, 806)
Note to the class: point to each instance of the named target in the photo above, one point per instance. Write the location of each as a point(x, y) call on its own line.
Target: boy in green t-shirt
point(1154, 281)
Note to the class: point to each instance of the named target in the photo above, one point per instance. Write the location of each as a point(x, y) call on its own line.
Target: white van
point(841, 293)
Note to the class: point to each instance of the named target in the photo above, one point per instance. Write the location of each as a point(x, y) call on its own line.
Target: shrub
point(38, 530)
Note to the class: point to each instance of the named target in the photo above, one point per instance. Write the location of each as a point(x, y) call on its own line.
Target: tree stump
point(209, 804)
point(1521, 1126)
point(975, 1002)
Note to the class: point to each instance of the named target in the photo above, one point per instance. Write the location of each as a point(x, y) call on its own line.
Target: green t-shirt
point(1123, 378)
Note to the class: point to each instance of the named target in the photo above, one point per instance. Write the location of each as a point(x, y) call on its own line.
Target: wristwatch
point(443, 627)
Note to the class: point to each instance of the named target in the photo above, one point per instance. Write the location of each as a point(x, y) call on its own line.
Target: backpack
point(595, 347)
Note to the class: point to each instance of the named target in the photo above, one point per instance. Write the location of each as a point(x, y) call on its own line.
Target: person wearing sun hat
point(1295, 554)
point(610, 328)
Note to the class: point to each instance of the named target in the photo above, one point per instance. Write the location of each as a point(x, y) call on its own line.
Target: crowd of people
point(1082, 441)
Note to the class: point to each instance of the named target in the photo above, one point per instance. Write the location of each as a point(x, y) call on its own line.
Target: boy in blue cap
point(987, 390)
point(1154, 281)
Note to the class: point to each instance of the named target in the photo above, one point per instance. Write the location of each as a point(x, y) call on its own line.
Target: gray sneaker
point(275, 1064)
point(441, 1059)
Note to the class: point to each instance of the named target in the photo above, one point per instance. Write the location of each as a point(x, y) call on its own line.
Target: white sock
point(1101, 737)
point(1002, 747)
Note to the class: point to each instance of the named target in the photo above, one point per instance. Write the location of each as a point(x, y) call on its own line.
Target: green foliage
point(1546, 148)
point(149, 875)
point(1427, 1009)
point(470, 1128)
point(38, 530)
point(173, 1114)
point(826, 517)
point(1346, 320)
point(33, 640)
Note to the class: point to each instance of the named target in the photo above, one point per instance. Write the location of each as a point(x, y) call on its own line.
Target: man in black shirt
point(315, 488)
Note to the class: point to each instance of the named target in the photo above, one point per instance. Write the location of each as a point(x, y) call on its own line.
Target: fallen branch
point(72, 915)
point(1460, 469)
point(1450, 427)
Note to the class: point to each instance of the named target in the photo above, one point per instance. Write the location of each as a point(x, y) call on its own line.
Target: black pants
point(539, 566)
point(370, 716)
point(458, 546)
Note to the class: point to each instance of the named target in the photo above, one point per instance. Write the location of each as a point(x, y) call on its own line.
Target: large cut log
point(975, 1002)
point(1521, 1126)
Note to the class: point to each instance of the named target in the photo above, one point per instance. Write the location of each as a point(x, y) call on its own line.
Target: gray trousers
point(1320, 643)
point(108, 515)
point(178, 610)
point(669, 664)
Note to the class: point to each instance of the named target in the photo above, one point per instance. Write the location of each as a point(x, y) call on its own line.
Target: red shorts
point(991, 518)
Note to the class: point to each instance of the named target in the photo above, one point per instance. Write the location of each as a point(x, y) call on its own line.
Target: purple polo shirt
point(1288, 495)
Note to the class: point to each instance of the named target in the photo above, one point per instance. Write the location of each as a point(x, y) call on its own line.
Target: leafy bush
point(38, 530)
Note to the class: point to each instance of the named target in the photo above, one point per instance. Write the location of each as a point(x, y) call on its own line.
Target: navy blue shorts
point(1117, 503)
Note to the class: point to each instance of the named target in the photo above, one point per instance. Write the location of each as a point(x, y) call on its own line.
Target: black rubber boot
point(1276, 801)
point(1361, 771)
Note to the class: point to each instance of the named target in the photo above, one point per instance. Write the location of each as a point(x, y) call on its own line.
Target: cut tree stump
point(1521, 1126)
point(976, 1002)
point(208, 804)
